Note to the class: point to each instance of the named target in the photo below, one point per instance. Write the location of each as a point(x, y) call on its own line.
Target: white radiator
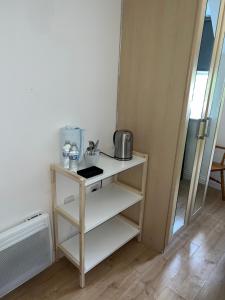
point(25, 250)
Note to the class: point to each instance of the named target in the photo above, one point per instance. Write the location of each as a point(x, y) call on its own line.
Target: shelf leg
point(82, 280)
point(141, 217)
point(115, 178)
point(54, 216)
point(82, 234)
point(143, 188)
point(139, 237)
point(57, 255)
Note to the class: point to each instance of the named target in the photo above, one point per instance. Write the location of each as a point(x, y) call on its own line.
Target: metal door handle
point(208, 122)
point(201, 129)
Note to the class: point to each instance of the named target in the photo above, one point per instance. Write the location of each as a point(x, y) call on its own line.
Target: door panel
point(196, 122)
point(214, 114)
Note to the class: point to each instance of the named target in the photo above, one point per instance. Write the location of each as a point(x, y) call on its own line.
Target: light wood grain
point(72, 175)
point(54, 218)
point(156, 47)
point(143, 192)
point(214, 288)
point(82, 233)
point(191, 268)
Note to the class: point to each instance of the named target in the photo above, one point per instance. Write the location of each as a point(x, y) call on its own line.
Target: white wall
point(58, 65)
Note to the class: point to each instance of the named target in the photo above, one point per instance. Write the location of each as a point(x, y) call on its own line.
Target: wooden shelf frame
point(139, 159)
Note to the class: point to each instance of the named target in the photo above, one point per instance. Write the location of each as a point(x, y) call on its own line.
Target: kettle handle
point(114, 135)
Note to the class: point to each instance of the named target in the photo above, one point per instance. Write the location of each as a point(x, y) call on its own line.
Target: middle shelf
point(100, 205)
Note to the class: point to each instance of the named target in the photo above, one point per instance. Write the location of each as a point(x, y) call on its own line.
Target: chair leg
point(222, 185)
point(215, 180)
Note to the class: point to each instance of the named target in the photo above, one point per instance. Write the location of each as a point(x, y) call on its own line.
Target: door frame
point(209, 98)
point(185, 117)
point(217, 64)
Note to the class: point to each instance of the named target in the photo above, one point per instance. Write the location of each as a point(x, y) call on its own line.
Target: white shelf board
point(112, 166)
point(100, 242)
point(102, 205)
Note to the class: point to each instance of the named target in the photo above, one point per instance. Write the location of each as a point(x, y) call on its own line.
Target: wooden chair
point(220, 167)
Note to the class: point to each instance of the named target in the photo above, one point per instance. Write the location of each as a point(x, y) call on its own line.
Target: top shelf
point(109, 165)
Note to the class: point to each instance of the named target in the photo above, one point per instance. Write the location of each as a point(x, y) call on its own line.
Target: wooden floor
point(192, 268)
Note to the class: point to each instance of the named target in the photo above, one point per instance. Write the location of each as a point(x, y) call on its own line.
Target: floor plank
point(214, 287)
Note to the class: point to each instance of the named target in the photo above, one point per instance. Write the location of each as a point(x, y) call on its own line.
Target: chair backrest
point(222, 148)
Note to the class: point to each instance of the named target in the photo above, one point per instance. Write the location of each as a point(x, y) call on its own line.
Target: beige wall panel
point(156, 46)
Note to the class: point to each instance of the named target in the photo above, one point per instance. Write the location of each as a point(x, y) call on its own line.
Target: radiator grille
point(24, 259)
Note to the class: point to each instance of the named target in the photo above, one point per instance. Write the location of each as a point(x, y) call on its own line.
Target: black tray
point(90, 172)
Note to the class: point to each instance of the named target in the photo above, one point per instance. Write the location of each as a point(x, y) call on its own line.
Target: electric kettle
point(123, 142)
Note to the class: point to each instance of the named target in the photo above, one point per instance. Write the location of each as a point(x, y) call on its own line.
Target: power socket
point(95, 187)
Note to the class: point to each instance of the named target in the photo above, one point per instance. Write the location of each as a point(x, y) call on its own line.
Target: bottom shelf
point(100, 242)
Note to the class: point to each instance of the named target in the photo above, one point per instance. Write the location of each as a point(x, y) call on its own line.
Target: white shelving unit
point(101, 228)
